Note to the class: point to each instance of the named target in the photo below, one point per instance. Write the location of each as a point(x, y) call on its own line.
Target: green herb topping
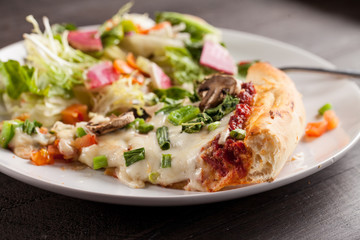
point(166, 161)
point(153, 177)
point(134, 156)
point(238, 134)
point(227, 106)
point(196, 124)
point(324, 108)
point(183, 115)
point(80, 132)
point(140, 125)
point(213, 126)
point(162, 135)
point(100, 162)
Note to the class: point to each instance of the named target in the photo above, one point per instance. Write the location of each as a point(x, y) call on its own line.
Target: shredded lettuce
point(58, 67)
point(180, 66)
point(121, 95)
point(43, 109)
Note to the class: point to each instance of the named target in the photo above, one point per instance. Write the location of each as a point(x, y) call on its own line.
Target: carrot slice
point(316, 129)
point(130, 59)
point(331, 119)
point(75, 113)
point(156, 27)
point(138, 79)
point(122, 67)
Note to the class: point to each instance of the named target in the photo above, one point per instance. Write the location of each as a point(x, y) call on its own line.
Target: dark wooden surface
point(325, 205)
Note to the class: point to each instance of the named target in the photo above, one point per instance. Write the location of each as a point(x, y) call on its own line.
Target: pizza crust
point(276, 124)
point(273, 130)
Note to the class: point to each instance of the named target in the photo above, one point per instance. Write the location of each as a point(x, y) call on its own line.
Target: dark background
point(325, 205)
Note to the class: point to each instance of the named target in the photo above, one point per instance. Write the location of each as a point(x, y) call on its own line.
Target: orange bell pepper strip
point(41, 157)
point(331, 119)
point(316, 129)
point(75, 113)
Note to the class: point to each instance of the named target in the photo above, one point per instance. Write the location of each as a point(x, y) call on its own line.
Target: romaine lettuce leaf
point(15, 78)
point(182, 66)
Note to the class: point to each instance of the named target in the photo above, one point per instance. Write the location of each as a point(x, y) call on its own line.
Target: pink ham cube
point(101, 75)
point(87, 41)
point(159, 78)
point(217, 57)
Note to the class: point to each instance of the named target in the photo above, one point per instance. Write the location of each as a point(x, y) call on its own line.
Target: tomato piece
point(85, 141)
point(54, 152)
point(316, 129)
point(331, 119)
point(41, 157)
point(75, 113)
point(122, 67)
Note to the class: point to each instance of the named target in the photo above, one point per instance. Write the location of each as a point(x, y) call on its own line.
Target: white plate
point(319, 153)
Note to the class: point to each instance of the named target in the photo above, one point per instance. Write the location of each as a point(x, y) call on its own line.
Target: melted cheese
point(185, 149)
point(23, 144)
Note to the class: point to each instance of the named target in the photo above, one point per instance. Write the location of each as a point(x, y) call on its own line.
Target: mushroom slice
point(214, 89)
point(112, 124)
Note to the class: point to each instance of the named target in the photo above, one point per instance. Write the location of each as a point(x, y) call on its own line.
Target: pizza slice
point(273, 128)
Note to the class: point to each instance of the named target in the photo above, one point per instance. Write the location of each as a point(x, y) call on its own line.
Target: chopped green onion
point(162, 135)
point(169, 108)
point(238, 134)
point(80, 132)
point(166, 161)
point(324, 108)
point(140, 125)
point(153, 177)
point(134, 156)
point(183, 115)
point(29, 127)
point(213, 126)
point(7, 133)
point(100, 162)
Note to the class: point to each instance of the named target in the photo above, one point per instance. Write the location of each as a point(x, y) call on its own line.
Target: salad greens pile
point(113, 69)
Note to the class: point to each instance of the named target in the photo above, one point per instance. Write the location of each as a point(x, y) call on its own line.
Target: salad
point(83, 94)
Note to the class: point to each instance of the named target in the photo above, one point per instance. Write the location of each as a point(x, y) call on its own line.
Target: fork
point(347, 73)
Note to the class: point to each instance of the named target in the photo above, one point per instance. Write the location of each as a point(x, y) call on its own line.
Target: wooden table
point(325, 205)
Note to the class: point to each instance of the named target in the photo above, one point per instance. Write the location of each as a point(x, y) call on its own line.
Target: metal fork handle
point(346, 73)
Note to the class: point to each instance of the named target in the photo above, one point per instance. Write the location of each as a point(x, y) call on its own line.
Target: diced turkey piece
point(101, 74)
point(217, 57)
point(159, 78)
point(87, 41)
